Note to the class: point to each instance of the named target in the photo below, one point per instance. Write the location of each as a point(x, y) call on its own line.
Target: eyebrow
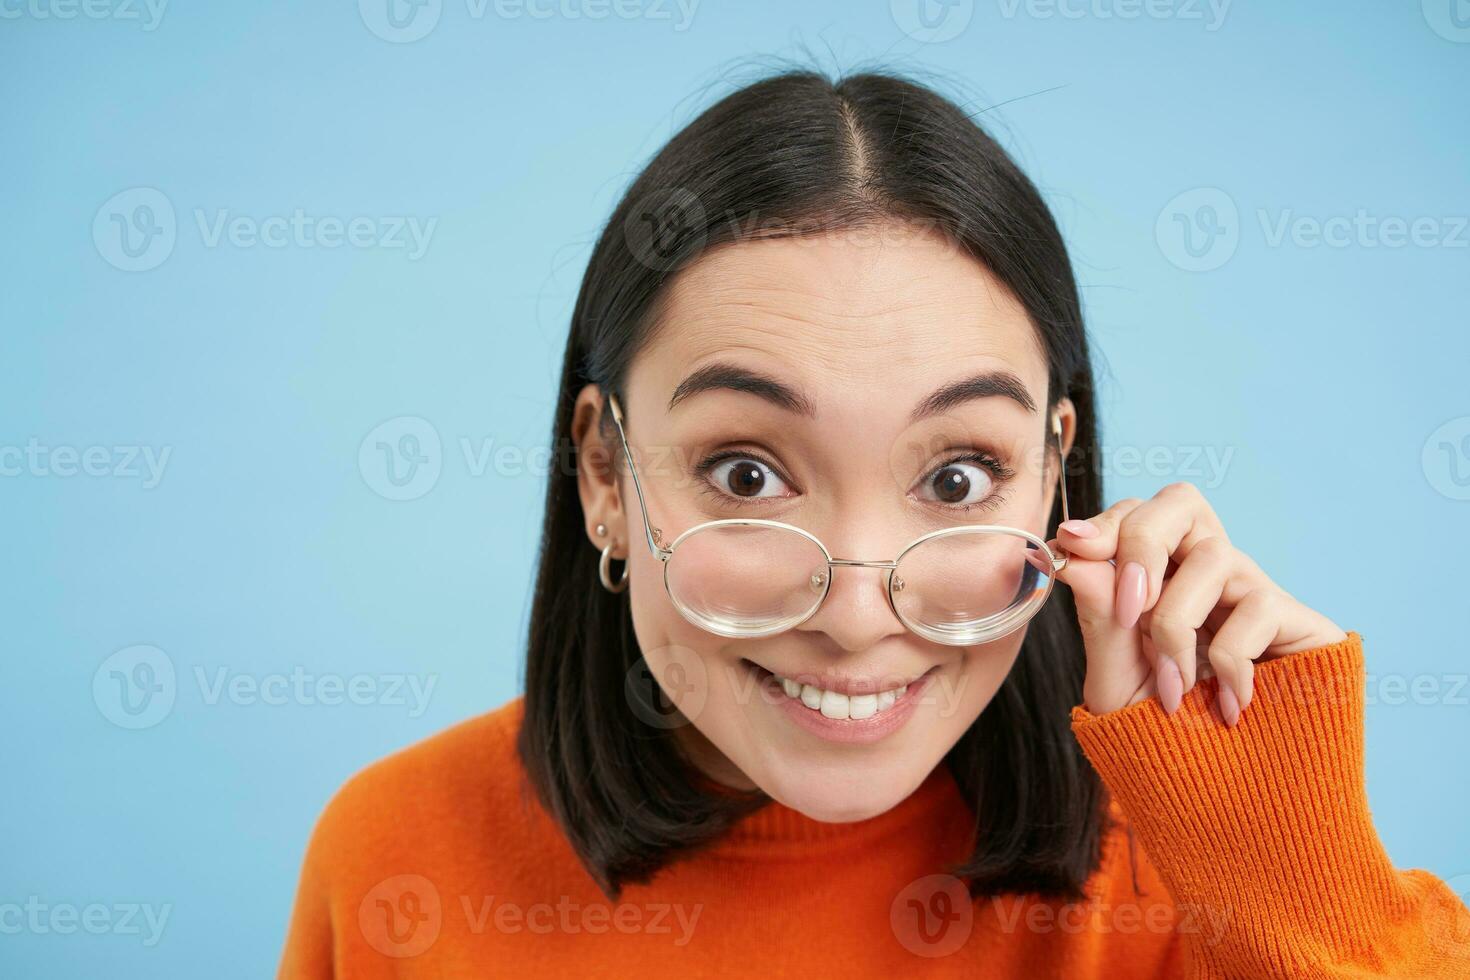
point(722, 375)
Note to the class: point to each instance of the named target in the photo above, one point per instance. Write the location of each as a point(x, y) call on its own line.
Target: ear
point(1066, 413)
point(1063, 414)
point(597, 483)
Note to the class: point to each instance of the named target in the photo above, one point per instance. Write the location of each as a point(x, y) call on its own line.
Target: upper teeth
point(841, 706)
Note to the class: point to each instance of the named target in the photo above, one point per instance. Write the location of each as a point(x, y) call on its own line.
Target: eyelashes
point(998, 473)
point(706, 467)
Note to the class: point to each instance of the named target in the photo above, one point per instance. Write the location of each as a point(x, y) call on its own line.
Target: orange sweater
point(1258, 859)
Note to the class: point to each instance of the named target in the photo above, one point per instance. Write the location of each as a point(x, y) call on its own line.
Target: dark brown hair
point(792, 154)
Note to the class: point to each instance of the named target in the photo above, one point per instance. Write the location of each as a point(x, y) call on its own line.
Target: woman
point(848, 727)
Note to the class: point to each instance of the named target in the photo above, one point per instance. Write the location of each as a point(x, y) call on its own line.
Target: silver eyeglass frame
point(663, 553)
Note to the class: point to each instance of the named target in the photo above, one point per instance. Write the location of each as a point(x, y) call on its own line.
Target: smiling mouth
point(836, 705)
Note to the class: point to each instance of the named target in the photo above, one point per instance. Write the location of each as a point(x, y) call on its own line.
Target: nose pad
point(856, 613)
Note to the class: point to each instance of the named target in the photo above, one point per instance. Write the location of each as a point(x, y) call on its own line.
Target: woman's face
point(842, 339)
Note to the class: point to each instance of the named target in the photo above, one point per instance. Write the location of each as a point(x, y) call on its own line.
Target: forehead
point(887, 310)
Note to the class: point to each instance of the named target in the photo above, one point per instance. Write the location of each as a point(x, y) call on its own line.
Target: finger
point(1247, 632)
point(1097, 537)
point(1166, 526)
point(1188, 598)
point(1115, 668)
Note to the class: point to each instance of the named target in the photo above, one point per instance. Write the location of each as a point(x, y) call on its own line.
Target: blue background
point(1326, 372)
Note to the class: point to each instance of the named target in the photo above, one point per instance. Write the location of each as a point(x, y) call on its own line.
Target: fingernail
point(1081, 529)
point(1171, 685)
point(1039, 563)
point(1229, 706)
point(1132, 593)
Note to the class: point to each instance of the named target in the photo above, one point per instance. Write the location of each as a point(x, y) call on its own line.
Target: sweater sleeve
point(1264, 829)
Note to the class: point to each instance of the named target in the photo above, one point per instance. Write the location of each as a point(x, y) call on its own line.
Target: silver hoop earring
point(604, 572)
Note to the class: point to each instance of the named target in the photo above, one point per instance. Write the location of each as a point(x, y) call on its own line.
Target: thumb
point(1117, 668)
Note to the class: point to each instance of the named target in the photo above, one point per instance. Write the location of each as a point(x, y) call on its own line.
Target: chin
point(842, 795)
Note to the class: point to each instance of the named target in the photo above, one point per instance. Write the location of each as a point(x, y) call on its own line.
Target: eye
point(746, 477)
point(963, 482)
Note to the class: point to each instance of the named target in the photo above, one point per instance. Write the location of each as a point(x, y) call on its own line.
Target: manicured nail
point(1081, 529)
point(1229, 706)
point(1132, 594)
point(1171, 685)
point(1039, 563)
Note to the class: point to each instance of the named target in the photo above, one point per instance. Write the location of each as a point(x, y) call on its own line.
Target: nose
point(856, 614)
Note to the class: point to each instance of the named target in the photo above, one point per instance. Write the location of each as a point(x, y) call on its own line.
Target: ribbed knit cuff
point(1263, 827)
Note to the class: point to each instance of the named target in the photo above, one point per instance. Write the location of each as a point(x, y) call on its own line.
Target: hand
point(1164, 599)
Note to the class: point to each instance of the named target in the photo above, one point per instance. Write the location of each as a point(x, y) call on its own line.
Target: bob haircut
point(793, 154)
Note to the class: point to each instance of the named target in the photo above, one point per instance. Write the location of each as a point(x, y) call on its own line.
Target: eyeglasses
point(749, 577)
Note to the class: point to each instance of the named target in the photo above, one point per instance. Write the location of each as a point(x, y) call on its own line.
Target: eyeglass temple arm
point(649, 531)
point(1059, 563)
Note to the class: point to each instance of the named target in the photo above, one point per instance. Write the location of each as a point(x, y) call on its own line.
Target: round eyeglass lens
point(970, 585)
point(746, 579)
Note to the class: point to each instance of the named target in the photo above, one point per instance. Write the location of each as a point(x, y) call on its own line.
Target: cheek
point(689, 664)
point(645, 572)
point(960, 696)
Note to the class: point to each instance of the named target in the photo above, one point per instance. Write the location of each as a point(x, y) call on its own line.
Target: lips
point(841, 698)
point(847, 684)
point(861, 715)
